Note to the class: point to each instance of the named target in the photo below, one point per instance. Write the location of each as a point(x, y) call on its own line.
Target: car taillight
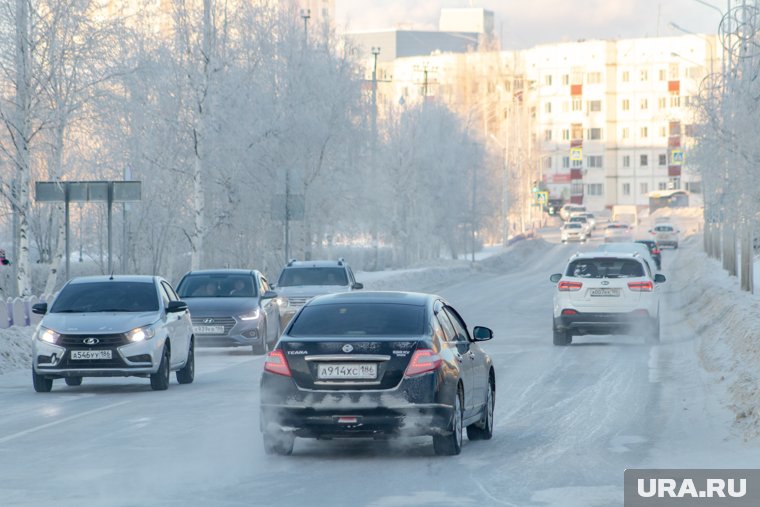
point(656, 251)
point(569, 312)
point(277, 364)
point(569, 286)
point(422, 361)
point(641, 286)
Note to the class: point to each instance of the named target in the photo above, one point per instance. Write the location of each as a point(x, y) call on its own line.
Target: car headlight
point(282, 302)
point(48, 335)
point(253, 315)
point(141, 334)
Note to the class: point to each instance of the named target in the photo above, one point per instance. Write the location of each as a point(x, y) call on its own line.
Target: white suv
point(606, 293)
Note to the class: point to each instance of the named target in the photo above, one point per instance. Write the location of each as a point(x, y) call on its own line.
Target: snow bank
point(15, 348)
point(727, 322)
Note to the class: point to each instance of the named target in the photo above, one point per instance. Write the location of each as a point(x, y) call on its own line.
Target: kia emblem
point(91, 341)
point(347, 348)
point(605, 282)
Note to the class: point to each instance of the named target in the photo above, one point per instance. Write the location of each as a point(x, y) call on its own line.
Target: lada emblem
point(91, 341)
point(347, 348)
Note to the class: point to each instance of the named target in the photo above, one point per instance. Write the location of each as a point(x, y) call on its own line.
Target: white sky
point(525, 23)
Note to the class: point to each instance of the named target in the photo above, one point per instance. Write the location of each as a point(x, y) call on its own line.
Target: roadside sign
point(542, 197)
point(576, 154)
point(676, 157)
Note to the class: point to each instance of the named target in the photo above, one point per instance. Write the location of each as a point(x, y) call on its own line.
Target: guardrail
point(18, 311)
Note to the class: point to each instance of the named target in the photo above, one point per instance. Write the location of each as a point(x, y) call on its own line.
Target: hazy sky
point(525, 23)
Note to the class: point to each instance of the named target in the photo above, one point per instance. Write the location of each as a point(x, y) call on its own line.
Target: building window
point(643, 160)
point(565, 134)
point(662, 103)
point(565, 79)
point(663, 75)
point(565, 162)
point(644, 132)
point(577, 163)
point(662, 159)
point(595, 189)
point(644, 104)
point(594, 106)
point(675, 101)
point(577, 105)
point(626, 161)
point(626, 133)
point(548, 135)
point(577, 131)
point(663, 132)
point(626, 76)
point(548, 108)
point(626, 189)
point(594, 161)
point(576, 188)
point(689, 130)
point(626, 105)
point(662, 185)
point(644, 75)
point(594, 134)
point(643, 188)
point(673, 70)
point(548, 80)
point(547, 163)
point(594, 78)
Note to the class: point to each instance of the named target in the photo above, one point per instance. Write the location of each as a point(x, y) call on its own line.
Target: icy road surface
point(568, 422)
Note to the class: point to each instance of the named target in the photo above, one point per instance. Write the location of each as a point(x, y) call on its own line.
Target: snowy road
point(568, 422)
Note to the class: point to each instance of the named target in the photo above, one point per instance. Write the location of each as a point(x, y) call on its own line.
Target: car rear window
point(663, 228)
point(296, 277)
point(359, 319)
point(605, 268)
point(110, 296)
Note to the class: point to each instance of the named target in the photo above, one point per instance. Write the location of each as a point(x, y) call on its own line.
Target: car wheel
point(159, 381)
point(186, 375)
point(41, 384)
point(483, 430)
point(278, 442)
point(562, 338)
point(451, 444)
point(73, 381)
point(259, 349)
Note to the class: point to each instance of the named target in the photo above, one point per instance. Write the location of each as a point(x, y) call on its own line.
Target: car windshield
point(295, 277)
point(617, 226)
point(573, 225)
point(359, 319)
point(217, 285)
point(605, 268)
point(578, 219)
point(110, 296)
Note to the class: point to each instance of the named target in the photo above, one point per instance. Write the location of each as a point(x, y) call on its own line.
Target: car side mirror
point(273, 285)
point(658, 278)
point(481, 334)
point(39, 308)
point(556, 277)
point(357, 286)
point(176, 307)
point(270, 294)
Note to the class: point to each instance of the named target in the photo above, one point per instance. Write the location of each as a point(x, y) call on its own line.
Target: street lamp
point(306, 14)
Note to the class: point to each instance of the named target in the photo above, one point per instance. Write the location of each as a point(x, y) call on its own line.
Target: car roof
point(316, 264)
point(113, 278)
point(221, 272)
point(359, 297)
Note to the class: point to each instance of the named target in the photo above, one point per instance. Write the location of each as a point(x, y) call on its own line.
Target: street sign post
point(88, 191)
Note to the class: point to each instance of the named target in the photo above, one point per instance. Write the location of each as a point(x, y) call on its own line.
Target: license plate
point(347, 371)
point(208, 329)
point(605, 292)
point(90, 354)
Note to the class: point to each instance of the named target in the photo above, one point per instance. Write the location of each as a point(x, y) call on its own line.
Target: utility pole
point(373, 156)
point(306, 14)
point(287, 214)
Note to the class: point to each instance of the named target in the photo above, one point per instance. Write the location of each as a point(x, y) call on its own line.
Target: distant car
point(232, 308)
point(300, 281)
point(615, 231)
point(553, 206)
point(378, 364)
point(580, 219)
point(573, 231)
point(631, 247)
point(569, 209)
point(665, 234)
point(590, 218)
point(606, 293)
point(117, 326)
point(654, 251)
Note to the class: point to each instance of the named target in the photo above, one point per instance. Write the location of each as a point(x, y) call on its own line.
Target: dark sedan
point(654, 249)
point(378, 364)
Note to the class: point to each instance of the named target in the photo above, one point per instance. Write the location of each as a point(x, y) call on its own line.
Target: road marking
point(60, 421)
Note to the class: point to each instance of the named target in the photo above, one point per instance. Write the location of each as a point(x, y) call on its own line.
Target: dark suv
point(300, 281)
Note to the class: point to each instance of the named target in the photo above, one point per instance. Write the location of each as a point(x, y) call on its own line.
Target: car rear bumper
point(605, 323)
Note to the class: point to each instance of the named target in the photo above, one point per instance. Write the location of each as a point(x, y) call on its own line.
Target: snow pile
point(15, 348)
point(727, 322)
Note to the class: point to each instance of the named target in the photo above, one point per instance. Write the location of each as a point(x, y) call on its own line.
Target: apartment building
point(599, 122)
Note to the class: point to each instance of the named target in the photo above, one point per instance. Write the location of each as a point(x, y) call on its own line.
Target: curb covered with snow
point(727, 322)
point(15, 348)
